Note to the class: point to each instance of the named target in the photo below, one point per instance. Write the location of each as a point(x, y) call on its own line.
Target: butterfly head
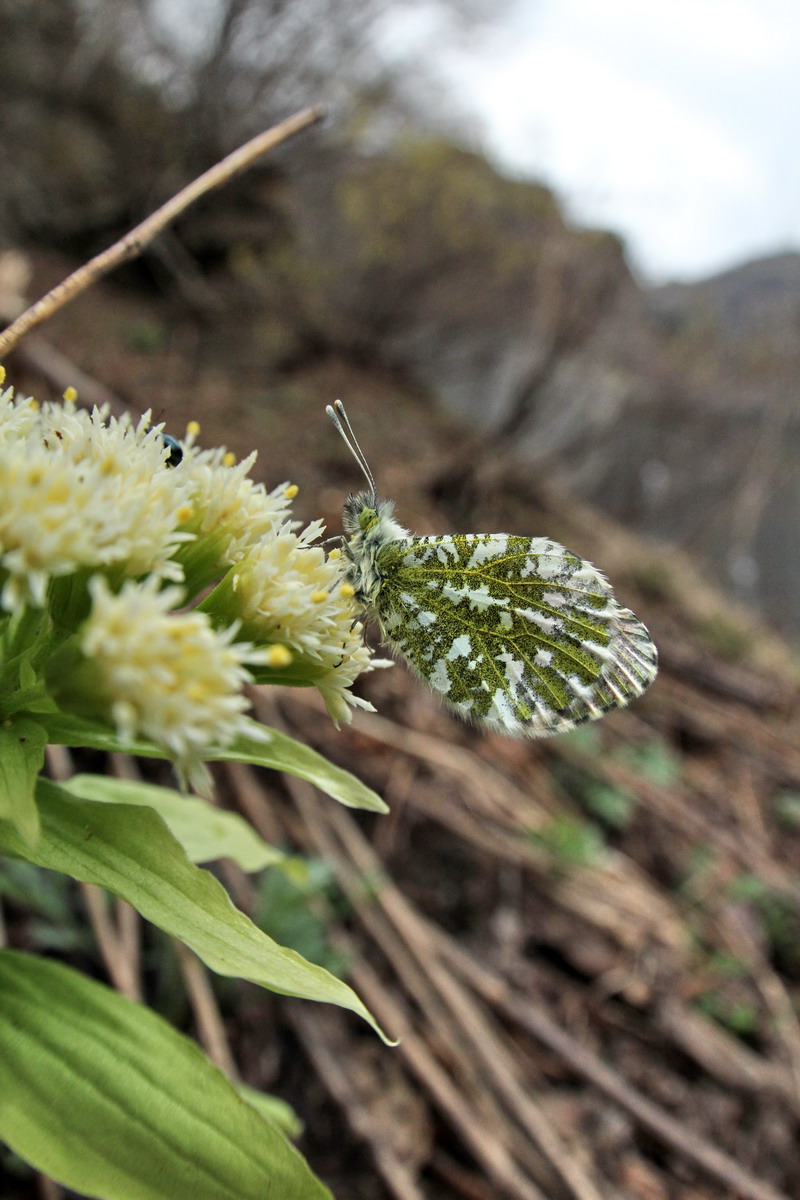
point(369, 521)
point(361, 513)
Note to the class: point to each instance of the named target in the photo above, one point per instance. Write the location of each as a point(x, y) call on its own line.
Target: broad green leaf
point(22, 744)
point(272, 1108)
point(129, 851)
point(108, 1099)
point(283, 753)
point(279, 752)
point(205, 832)
point(64, 729)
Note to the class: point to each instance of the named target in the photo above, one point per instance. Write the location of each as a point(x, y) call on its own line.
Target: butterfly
point(516, 633)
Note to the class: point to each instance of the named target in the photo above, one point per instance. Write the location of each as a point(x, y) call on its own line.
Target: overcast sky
point(675, 123)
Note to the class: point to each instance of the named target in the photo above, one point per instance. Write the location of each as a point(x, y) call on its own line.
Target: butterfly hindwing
point(517, 633)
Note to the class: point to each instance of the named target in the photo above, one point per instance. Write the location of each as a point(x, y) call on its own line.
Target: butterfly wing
point(516, 633)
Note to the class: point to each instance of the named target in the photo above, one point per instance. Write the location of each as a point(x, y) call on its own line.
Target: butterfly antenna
point(337, 414)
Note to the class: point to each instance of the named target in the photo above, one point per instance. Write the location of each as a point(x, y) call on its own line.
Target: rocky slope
point(674, 411)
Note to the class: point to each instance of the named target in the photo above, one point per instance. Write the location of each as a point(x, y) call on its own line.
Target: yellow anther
point(319, 597)
point(193, 428)
point(184, 514)
point(59, 492)
point(335, 553)
point(229, 459)
point(291, 491)
point(279, 656)
point(2, 374)
point(70, 395)
point(347, 591)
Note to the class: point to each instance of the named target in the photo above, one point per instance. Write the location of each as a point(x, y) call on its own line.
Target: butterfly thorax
point(369, 526)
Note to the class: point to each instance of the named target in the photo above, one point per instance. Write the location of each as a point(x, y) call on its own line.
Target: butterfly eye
point(367, 518)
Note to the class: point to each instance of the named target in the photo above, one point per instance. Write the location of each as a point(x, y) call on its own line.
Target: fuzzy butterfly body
point(514, 632)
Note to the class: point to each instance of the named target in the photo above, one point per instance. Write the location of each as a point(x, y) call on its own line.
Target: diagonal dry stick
point(134, 242)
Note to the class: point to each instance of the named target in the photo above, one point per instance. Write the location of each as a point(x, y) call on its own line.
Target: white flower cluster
point(288, 592)
point(79, 490)
point(230, 506)
point(90, 503)
point(168, 676)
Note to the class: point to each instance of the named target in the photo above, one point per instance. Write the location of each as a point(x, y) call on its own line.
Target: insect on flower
point(516, 633)
point(175, 456)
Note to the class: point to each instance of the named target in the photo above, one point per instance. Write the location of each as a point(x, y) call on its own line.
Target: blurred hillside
point(734, 339)
point(675, 412)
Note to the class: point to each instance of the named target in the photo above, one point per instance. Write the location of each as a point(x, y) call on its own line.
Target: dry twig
point(134, 242)
point(210, 1026)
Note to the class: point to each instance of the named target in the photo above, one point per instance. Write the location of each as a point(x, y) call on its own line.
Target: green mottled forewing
point(517, 633)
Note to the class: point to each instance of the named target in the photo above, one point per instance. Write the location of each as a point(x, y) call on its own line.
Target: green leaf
point(284, 753)
point(64, 729)
point(786, 806)
point(129, 851)
point(571, 843)
point(205, 832)
point(22, 744)
point(106, 1098)
point(614, 805)
point(294, 907)
point(272, 1108)
point(280, 752)
point(653, 760)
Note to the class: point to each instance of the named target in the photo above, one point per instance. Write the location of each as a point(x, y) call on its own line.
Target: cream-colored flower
point(167, 676)
point(82, 490)
point(285, 590)
point(355, 658)
point(227, 505)
point(89, 495)
point(18, 415)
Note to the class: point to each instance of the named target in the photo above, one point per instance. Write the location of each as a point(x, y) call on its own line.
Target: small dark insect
point(175, 456)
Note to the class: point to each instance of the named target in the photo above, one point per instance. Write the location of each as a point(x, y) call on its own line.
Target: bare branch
point(134, 242)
